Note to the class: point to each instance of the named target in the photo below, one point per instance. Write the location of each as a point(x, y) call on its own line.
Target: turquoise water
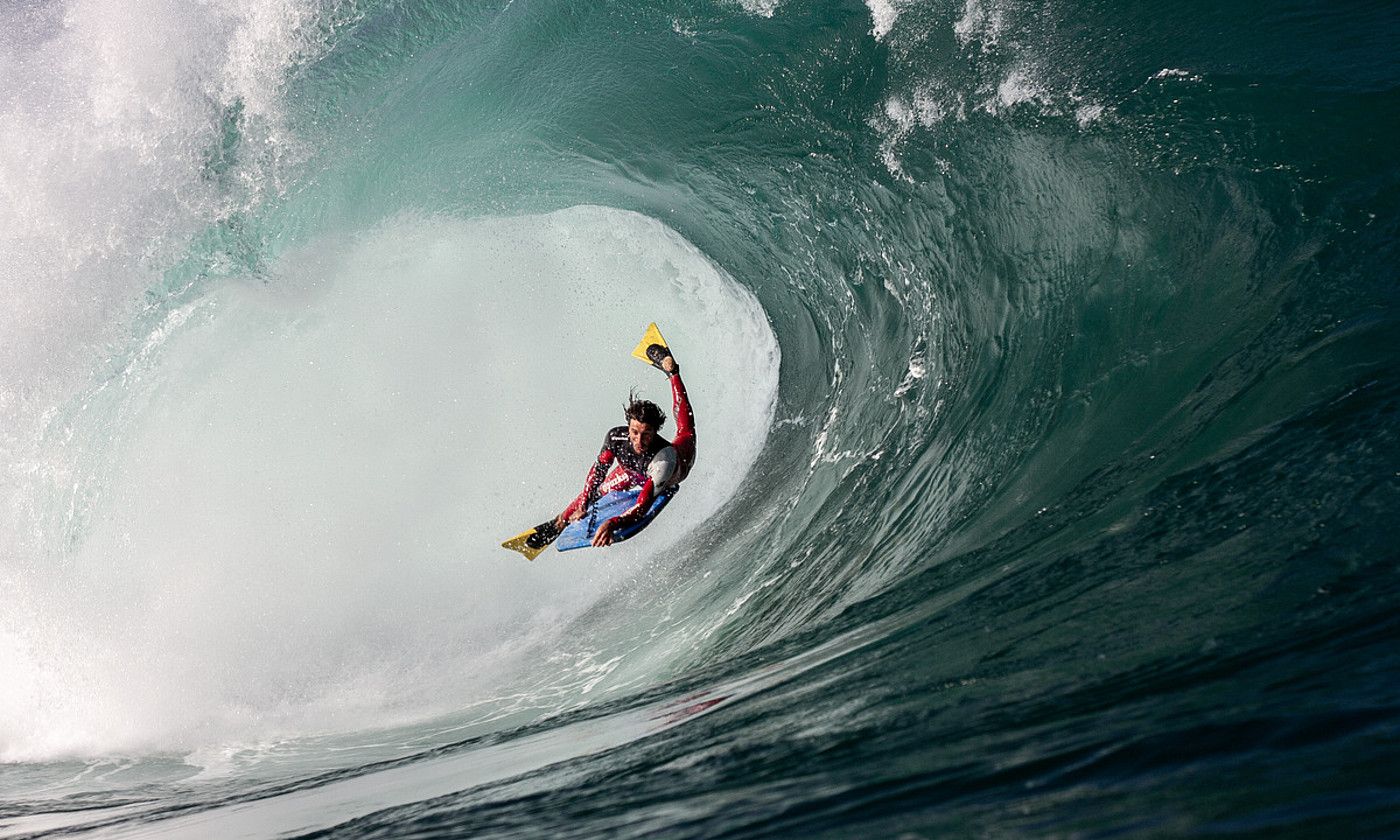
point(1044, 366)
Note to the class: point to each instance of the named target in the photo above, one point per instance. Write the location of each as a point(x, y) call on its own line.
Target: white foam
point(296, 528)
point(109, 109)
point(1174, 73)
point(925, 108)
point(762, 8)
point(1017, 87)
point(882, 17)
point(981, 22)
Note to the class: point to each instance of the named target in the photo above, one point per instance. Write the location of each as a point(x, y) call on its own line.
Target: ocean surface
point(1046, 364)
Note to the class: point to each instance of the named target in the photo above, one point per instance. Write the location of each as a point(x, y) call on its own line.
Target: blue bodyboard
point(580, 534)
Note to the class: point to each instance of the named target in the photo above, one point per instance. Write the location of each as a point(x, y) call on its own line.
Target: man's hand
point(603, 536)
point(669, 365)
point(560, 521)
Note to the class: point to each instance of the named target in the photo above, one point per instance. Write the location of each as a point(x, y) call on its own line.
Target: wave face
point(1044, 360)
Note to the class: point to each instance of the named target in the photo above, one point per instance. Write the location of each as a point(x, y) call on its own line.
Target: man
point(636, 457)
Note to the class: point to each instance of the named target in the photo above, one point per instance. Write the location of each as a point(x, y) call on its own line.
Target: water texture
point(1044, 358)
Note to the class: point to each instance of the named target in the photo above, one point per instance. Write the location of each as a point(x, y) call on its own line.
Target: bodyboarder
point(636, 457)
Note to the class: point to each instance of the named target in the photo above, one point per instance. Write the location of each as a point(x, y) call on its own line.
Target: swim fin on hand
point(652, 348)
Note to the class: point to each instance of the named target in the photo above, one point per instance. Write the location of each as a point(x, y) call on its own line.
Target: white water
point(109, 110)
point(281, 516)
point(292, 497)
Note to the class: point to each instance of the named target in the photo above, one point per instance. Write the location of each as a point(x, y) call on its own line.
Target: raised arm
point(685, 419)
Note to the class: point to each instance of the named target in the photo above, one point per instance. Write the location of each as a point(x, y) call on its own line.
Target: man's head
point(644, 420)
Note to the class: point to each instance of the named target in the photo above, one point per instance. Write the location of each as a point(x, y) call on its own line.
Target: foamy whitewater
point(1044, 367)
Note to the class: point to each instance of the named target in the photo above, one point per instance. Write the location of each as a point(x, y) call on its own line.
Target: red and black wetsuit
point(660, 469)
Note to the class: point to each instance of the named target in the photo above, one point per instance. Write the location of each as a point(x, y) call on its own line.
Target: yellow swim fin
point(653, 347)
point(530, 543)
point(519, 543)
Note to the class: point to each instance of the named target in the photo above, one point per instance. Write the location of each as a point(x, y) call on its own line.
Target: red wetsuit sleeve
point(596, 474)
point(685, 428)
point(632, 514)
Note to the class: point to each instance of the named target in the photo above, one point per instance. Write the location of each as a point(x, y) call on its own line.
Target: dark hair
point(644, 411)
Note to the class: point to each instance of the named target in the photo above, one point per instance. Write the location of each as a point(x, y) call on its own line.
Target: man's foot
point(545, 533)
